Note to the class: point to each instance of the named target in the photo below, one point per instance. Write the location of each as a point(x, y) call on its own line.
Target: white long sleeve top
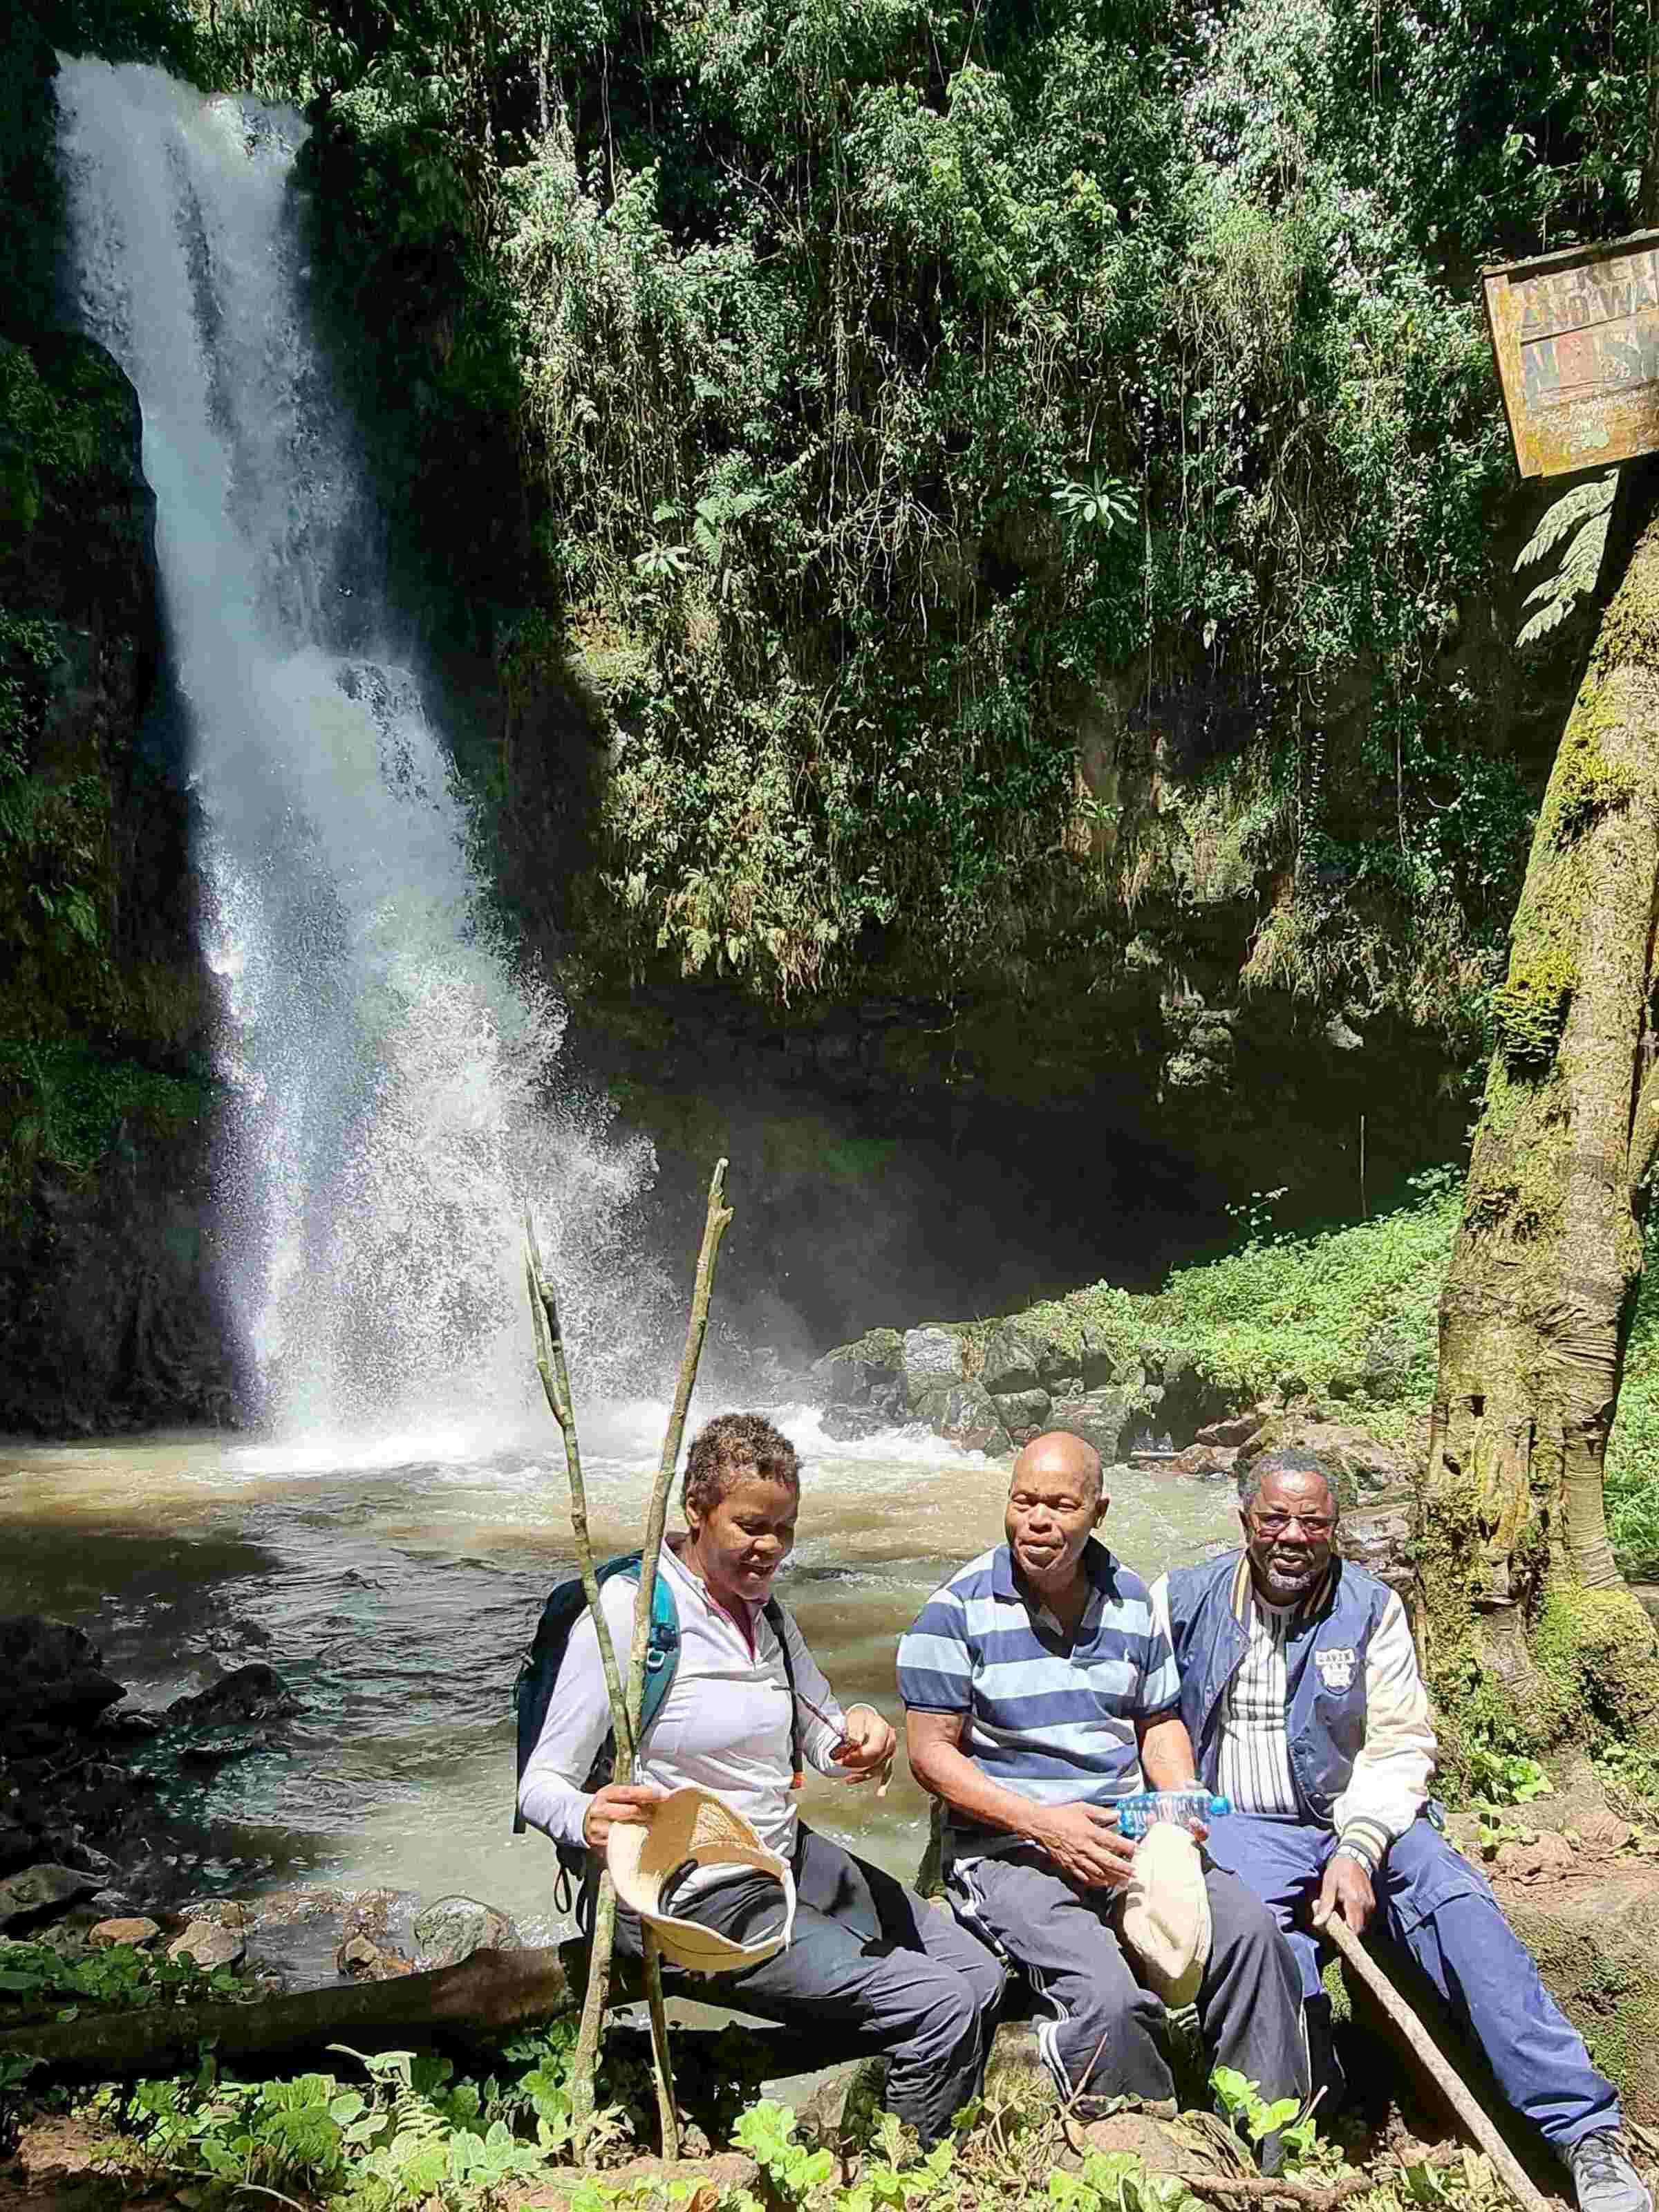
point(724, 1724)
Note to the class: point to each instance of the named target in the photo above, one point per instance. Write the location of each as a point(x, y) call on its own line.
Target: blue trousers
point(1432, 1900)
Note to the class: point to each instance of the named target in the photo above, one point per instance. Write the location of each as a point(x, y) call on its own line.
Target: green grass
point(1315, 1306)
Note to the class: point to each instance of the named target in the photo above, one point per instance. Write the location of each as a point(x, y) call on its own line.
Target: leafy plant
point(1578, 521)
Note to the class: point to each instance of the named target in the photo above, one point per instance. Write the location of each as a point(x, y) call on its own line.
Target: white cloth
point(724, 1724)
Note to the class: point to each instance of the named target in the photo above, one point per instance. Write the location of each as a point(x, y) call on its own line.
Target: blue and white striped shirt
point(1049, 1715)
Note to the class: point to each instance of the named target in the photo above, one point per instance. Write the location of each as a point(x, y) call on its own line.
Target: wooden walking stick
point(552, 1367)
point(715, 1222)
point(625, 1706)
point(1510, 2173)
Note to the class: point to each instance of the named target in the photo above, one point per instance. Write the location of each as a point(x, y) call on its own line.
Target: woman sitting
point(868, 1958)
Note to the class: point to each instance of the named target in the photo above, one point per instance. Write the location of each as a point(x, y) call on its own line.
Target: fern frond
point(1574, 506)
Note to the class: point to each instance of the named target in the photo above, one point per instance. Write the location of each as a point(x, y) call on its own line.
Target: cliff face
point(107, 1319)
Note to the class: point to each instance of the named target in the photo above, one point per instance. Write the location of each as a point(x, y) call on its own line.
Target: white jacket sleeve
point(818, 1738)
point(1389, 1783)
point(550, 1794)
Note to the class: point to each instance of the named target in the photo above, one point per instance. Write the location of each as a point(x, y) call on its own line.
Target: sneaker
point(1603, 2178)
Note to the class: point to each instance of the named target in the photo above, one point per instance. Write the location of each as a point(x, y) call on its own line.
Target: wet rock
point(40, 1892)
point(1059, 1368)
point(362, 1959)
point(969, 1417)
point(853, 1373)
point(253, 1693)
point(1099, 1417)
point(221, 1912)
point(1024, 1415)
point(1204, 1463)
point(452, 1928)
point(932, 1354)
point(137, 1930)
point(1384, 1542)
point(1357, 1462)
point(847, 1423)
point(1012, 1361)
point(1236, 1428)
point(208, 1945)
point(51, 1675)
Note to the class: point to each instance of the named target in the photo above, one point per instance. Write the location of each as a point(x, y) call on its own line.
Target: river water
point(394, 1586)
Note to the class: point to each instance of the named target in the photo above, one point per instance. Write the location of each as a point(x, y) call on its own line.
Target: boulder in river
point(969, 1417)
point(207, 1945)
point(1024, 1415)
point(1012, 1361)
point(136, 1929)
point(1099, 1417)
point(452, 1928)
point(40, 1892)
point(253, 1693)
point(1359, 1464)
point(931, 1355)
point(50, 1673)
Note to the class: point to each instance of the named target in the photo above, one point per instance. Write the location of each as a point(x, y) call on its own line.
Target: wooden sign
point(1576, 335)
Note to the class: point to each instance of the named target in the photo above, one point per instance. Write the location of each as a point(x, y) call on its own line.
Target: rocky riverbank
point(96, 1812)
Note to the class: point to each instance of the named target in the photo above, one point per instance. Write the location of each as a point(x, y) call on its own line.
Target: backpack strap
point(772, 1614)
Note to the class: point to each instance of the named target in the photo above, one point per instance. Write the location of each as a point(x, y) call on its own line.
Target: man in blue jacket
point(1301, 1691)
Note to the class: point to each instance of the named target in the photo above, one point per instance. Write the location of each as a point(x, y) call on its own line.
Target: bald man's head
point(1057, 1451)
point(1055, 1501)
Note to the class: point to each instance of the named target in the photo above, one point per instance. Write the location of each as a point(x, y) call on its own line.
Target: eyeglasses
point(1310, 1524)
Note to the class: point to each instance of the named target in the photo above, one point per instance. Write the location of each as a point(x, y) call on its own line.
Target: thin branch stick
point(1434, 2064)
point(1255, 2188)
point(715, 1226)
point(555, 1383)
point(554, 1373)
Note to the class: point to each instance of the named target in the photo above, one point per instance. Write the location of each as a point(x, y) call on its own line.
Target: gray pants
point(1106, 2038)
point(869, 1961)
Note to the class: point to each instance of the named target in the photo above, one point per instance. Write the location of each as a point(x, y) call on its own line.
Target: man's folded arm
point(1389, 1783)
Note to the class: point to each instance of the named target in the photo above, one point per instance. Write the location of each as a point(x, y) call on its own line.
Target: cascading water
point(390, 1071)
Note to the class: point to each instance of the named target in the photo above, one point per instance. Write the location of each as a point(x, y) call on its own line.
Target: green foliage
point(870, 397)
point(767, 2132)
point(35, 1976)
point(1580, 517)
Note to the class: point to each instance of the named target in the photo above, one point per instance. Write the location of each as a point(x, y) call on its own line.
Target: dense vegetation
point(997, 474)
point(398, 2129)
point(1357, 1307)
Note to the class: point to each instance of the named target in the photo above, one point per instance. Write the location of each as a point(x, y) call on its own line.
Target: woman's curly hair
point(728, 1448)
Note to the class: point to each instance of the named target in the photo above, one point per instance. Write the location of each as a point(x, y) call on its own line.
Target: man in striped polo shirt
point(1300, 1688)
point(1038, 1689)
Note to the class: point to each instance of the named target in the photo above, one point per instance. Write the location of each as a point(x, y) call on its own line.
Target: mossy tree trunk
point(1532, 1638)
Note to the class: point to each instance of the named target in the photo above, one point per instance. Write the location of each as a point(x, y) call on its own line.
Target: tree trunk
point(1532, 1638)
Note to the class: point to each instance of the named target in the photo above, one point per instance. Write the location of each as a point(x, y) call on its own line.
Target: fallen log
point(490, 1992)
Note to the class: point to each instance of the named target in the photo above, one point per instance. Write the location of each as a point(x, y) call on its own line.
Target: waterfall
point(390, 1072)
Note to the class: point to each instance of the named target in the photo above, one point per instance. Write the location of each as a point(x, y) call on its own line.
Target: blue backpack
point(532, 1694)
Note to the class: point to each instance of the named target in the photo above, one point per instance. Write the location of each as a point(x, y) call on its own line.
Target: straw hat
point(1166, 1912)
point(694, 1824)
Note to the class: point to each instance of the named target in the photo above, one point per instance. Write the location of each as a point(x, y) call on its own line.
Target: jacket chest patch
point(1336, 1665)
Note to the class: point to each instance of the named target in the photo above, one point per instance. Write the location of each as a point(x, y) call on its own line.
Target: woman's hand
point(867, 1748)
point(625, 1802)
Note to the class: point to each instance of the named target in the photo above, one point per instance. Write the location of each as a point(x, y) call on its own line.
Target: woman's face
point(742, 1541)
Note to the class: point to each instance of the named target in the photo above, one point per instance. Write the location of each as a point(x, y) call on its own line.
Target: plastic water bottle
point(1189, 1807)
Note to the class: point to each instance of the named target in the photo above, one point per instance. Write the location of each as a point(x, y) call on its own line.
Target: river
point(394, 1585)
